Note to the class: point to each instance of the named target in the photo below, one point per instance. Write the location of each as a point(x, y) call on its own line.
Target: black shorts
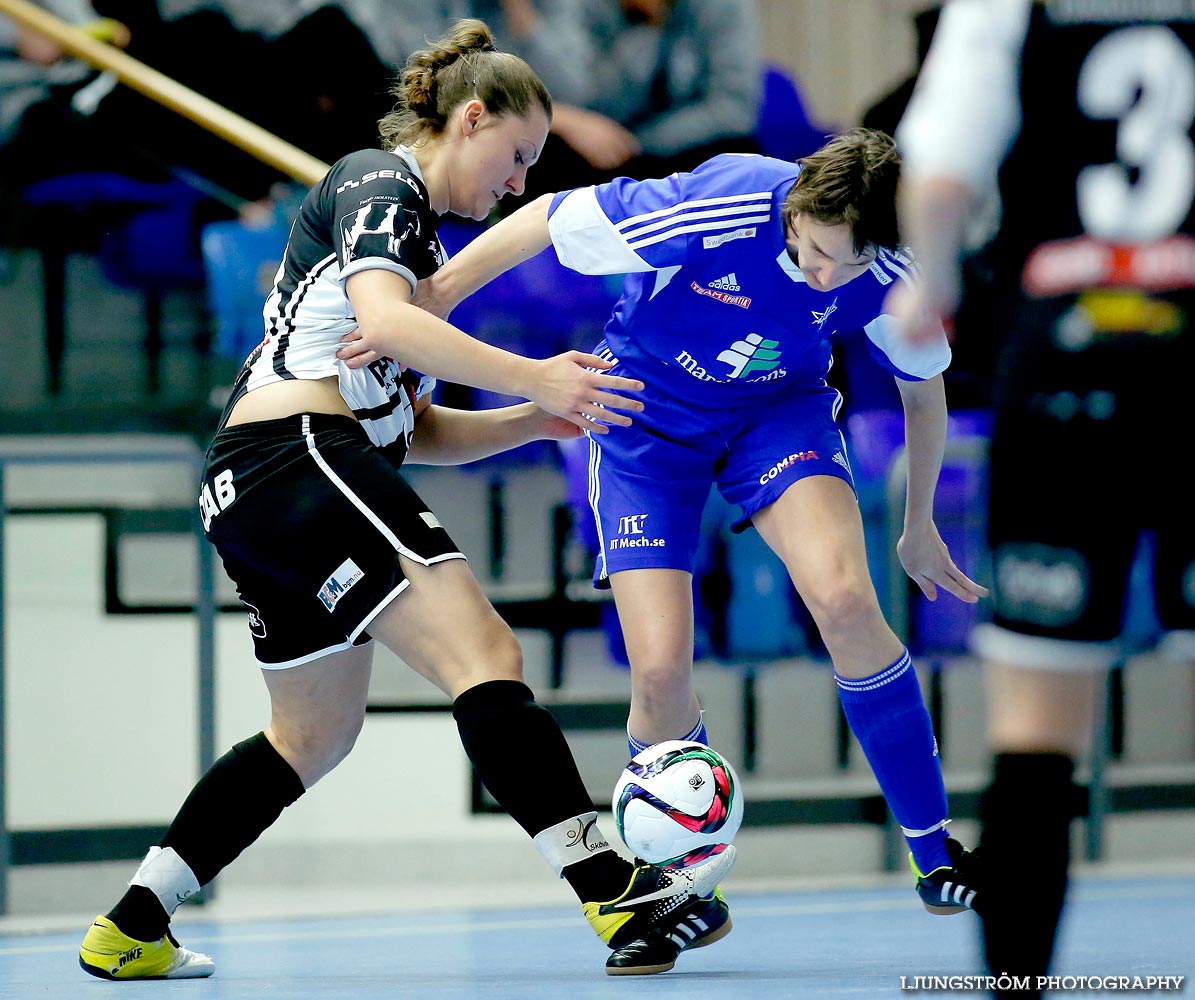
point(1087, 455)
point(309, 520)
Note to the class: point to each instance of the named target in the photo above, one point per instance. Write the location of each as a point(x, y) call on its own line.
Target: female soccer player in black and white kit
point(330, 548)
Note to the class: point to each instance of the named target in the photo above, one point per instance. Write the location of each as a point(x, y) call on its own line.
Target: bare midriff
point(285, 399)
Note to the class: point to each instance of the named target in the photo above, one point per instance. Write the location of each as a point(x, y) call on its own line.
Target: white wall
point(844, 53)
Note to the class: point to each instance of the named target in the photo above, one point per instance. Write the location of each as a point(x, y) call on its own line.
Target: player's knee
point(506, 655)
point(493, 654)
point(315, 749)
point(842, 607)
point(660, 683)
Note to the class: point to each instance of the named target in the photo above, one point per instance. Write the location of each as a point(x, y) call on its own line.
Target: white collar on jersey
point(407, 155)
point(789, 267)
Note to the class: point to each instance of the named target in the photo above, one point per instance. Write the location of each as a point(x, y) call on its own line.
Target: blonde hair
point(456, 68)
point(852, 179)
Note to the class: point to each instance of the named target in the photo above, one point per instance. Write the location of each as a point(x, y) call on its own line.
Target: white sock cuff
point(168, 877)
point(926, 832)
point(571, 841)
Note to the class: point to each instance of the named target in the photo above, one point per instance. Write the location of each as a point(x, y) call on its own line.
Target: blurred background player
point(665, 85)
point(1087, 115)
point(739, 275)
point(330, 548)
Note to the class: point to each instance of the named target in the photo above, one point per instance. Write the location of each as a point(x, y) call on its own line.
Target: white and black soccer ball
point(677, 803)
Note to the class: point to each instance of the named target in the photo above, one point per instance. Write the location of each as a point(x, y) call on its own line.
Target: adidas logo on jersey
point(728, 283)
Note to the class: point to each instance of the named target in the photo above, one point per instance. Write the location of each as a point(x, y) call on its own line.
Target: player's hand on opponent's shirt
point(926, 559)
point(428, 297)
point(549, 427)
point(567, 386)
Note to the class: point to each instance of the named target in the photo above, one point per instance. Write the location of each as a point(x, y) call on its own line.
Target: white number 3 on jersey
point(1144, 78)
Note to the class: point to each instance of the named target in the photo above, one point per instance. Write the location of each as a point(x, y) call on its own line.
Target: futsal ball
point(677, 803)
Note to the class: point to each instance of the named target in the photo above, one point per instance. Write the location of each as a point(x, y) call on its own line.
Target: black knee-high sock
point(1025, 847)
point(240, 796)
point(506, 734)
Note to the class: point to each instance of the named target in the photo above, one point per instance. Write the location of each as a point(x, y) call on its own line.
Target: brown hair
point(456, 68)
point(852, 179)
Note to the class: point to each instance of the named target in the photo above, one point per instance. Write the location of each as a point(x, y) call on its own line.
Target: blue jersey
point(714, 311)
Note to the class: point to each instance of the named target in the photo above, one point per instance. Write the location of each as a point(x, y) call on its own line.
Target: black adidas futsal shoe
point(949, 888)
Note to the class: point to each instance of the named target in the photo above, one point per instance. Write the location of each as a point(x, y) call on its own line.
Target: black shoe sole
point(653, 970)
point(945, 911)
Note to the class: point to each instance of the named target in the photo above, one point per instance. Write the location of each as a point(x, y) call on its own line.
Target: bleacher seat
point(144, 233)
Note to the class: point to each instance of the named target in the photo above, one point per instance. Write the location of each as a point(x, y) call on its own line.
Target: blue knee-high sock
point(888, 717)
point(696, 735)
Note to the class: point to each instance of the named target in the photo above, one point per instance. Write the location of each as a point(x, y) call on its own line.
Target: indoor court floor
point(857, 941)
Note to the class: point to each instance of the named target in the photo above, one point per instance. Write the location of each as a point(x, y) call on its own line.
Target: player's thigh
point(816, 529)
point(648, 487)
point(444, 627)
point(655, 612)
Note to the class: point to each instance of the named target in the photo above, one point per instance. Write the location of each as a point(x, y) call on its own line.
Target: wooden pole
point(214, 117)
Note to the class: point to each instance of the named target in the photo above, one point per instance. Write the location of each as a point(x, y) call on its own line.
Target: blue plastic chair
point(783, 128)
point(144, 233)
point(240, 261)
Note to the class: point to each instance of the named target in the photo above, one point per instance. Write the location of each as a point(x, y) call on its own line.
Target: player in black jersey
point(1085, 108)
point(331, 549)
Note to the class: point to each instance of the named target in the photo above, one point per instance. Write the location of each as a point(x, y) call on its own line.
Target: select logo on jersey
point(742, 301)
point(784, 463)
point(728, 283)
point(820, 317)
point(373, 175)
point(710, 242)
point(751, 354)
point(377, 229)
point(631, 534)
point(256, 626)
point(339, 583)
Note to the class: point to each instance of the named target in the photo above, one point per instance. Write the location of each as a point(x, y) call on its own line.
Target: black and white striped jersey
point(372, 210)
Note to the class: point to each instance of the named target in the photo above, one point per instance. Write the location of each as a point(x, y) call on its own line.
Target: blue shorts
point(649, 483)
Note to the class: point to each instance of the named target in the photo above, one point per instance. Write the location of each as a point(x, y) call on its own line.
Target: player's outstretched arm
point(570, 385)
point(446, 436)
point(923, 553)
point(933, 217)
point(515, 239)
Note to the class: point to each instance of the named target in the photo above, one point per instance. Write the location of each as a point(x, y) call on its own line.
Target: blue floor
point(853, 942)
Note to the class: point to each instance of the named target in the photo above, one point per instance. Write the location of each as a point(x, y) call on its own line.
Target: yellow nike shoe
point(108, 953)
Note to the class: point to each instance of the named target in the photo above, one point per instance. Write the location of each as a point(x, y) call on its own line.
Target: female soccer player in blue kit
point(738, 276)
